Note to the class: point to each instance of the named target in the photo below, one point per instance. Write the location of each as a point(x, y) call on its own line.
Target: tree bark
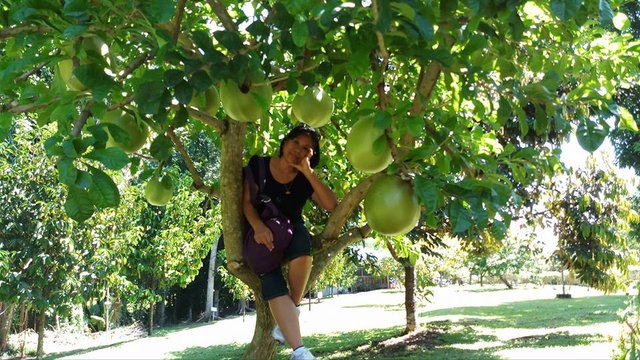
point(208, 314)
point(42, 317)
point(506, 282)
point(409, 297)
point(161, 310)
point(262, 345)
point(6, 320)
point(151, 311)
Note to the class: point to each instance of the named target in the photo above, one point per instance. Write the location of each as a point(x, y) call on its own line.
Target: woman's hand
point(305, 164)
point(264, 236)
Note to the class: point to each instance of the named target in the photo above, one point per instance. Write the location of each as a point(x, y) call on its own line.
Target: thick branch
point(221, 12)
point(344, 209)
point(426, 83)
point(178, 19)
point(84, 115)
point(198, 184)
point(27, 74)
point(11, 32)
point(16, 108)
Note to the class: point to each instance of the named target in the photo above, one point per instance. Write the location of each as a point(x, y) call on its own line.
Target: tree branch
point(82, 119)
point(134, 65)
point(426, 82)
point(220, 126)
point(198, 184)
point(341, 213)
point(178, 19)
point(11, 32)
point(221, 12)
point(16, 108)
point(27, 74)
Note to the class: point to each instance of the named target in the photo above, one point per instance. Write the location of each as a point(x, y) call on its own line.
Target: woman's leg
point(284, 311)
point(299, 270)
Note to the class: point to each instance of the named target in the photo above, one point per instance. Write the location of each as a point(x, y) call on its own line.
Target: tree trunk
point(24, 317)
point(161, 310)
point(262, 345)
point(41, 319)
point(409, 297)
point(208, 313)
point(107, 309)
point(506, 282)
point(6, 320)
point(481, 280)
point(151, 311)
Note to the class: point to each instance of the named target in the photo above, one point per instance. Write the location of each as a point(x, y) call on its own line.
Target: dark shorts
point(273, 283)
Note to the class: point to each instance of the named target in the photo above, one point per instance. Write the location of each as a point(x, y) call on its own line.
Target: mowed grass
point(471, 332)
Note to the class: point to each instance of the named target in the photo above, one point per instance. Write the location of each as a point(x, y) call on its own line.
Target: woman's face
point(297, 149)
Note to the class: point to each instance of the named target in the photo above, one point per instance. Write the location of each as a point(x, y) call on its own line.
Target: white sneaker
point(302, 353)
point(277, 333)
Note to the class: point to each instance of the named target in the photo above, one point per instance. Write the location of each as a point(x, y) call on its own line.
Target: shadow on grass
point(58, 355)
point(545, 313)
point(218, 352)
point(437, 340)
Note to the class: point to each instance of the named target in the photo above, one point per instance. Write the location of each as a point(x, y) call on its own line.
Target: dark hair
point(303, 129)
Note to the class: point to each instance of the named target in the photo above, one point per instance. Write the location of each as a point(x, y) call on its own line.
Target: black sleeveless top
point(289, 204)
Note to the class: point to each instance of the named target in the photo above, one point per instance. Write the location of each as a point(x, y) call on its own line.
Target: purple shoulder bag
point(257, 256)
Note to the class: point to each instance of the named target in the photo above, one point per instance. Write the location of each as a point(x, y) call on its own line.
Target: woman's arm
point(262, 232)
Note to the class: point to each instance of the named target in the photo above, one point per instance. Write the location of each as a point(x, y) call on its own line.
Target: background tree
point(444, 80)
point(593, 217)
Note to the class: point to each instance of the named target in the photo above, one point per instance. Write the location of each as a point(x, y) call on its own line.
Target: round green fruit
point(158, 191)
point(391, 206)
point(137, 131)
point(243, 104)
point(65, 69)
point(314, 107)
point(360, 150)
point(207, 101)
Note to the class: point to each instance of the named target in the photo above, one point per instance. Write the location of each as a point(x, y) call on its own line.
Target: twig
point(218, 125)
point(134, 65)
point(198, 184)
point(11, 32)
point(121, 103)
point(15, 108)
point(84, 115)
point(27, 74)
point(221, 12)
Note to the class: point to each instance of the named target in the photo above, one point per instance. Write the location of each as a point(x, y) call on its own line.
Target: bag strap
point(260, 181)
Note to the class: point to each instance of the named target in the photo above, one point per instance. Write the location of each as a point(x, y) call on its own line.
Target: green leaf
point(103, 192)
point(173, 77)
point(161, 11)
point(76, 8)
point(590, 135)
point(6, 121)
point(52, 145)
point(383, 120)
point(112, 158)
point(476, 42)
point(425, 27)
point(606, 14)
point(428, 192)
point(405, 9)
point(498, 229)
point(183, 92)
point(415, 124)
point(200, 80)
point(94, 77)
point(78, 205)
point(229, 39)
point(74, 30)
point(459, 217)
point(149, 92)
point(118, 134)
point(441, 55)
point(69, 149)
point(626, 120)
point(565, 9)
point(516, 25)
point(384, 15)
point(300, 33)
point(161, 147)
point(67, 173)
point(180, 119)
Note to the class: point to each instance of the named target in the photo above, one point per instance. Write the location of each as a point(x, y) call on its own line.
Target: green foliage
point(236, 288)
point(594, 217)
point(340, 273)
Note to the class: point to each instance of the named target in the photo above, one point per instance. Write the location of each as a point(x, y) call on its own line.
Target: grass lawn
point(460, 323)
